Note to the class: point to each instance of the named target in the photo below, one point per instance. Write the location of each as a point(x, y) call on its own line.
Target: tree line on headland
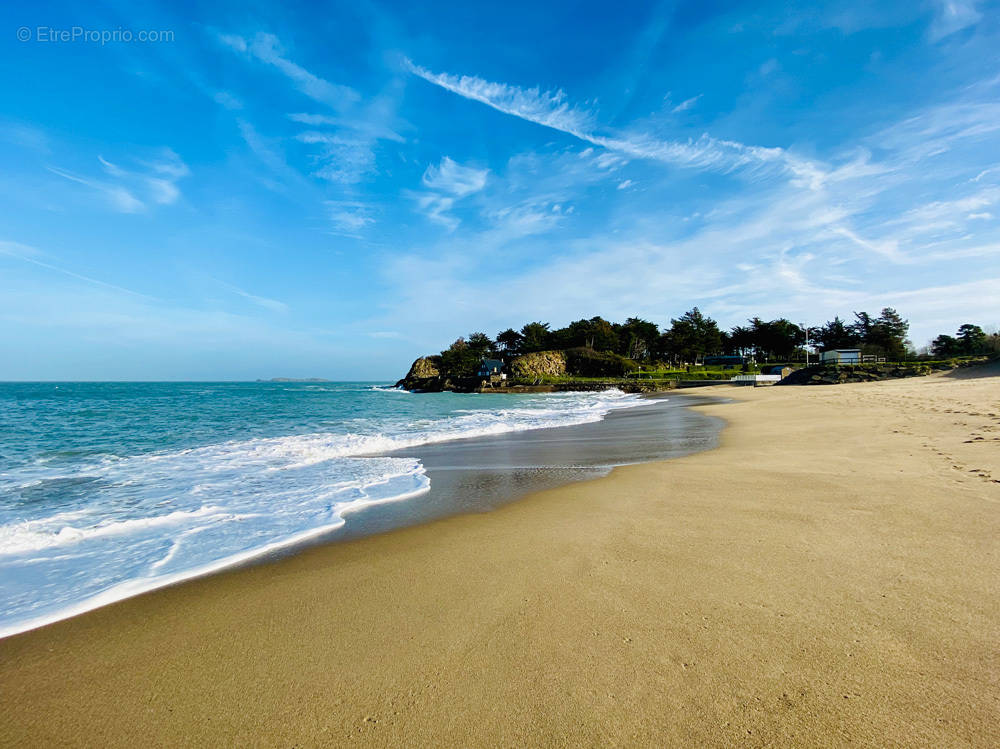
point(694, 335)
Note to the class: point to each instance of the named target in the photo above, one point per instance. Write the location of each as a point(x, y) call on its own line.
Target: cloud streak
point(118, 197)
point(551, 109)
point(267, 49)
point(155, 182)
point(28, 254)
point(272, 305)
point(686, 104)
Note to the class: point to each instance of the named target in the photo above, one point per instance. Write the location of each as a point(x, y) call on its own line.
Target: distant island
point(296, 379)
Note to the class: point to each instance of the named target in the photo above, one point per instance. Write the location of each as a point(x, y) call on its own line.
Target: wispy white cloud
point(227, 100)
point(985, 173)
point(954, 209)
point(341, 158)
point(161, 177)
point(117, 197)
point(270, 153)
point(367, 127)
point(768, 67)
point(267, 48)
point(272, 305)
point(546, 108)
point(941, 128)
point(315, 119)
point(553, 111)
point(454, 178)
point(25, 136)
point(437, 208)
point(235, 41)
point(531, 195)
point(686, 104)
point(346, 154)
point(534, 215)
point(349, 217)
point(32, 255)
point(18, 250)
point(446, 183)
point(131, 190)
point(888, 249)
point(953, 15)
point(345, 142)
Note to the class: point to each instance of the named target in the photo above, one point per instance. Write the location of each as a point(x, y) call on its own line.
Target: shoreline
point(494, 480)
point(826, 575)
point(480, 474)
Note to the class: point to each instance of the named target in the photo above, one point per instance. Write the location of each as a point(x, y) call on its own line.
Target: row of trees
point(970, 340)
point(694, 335)
point(884, 335)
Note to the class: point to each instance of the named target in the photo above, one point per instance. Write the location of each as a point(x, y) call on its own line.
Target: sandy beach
point(827, 576)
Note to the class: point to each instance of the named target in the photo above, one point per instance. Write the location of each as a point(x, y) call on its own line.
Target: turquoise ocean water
point(111, 489)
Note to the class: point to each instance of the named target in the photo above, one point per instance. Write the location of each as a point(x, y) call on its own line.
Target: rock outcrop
point(834, 374)
point(424, 375)
point(424, 367)
point(575, 362)
point(539, 364)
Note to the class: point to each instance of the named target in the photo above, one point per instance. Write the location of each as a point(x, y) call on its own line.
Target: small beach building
point(841, 356)
point(490, 368)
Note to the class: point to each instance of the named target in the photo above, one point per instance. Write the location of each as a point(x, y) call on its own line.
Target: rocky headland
point(542, 371)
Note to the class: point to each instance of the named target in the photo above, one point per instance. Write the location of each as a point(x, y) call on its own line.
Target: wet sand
point(484, 473)
point(827, 576)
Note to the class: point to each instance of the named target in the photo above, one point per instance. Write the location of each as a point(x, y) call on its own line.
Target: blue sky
point(330, 189)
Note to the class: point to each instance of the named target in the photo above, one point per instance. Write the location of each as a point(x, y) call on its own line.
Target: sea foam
point(91, 529)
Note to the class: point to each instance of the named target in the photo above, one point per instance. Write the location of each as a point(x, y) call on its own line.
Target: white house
point(841, 356)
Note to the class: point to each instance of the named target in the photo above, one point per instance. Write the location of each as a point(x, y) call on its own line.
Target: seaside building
point(490, 368)
point(841, 356)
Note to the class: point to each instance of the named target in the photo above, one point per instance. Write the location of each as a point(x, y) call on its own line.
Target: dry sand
point(828, 576)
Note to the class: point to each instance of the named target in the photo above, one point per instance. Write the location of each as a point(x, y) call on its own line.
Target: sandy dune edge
point(828, 576)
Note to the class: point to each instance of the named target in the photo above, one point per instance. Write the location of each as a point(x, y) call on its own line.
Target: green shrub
point(585, 362)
